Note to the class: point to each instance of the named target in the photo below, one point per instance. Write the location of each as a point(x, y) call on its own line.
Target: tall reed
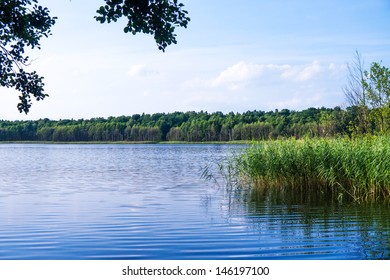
point(358, 168)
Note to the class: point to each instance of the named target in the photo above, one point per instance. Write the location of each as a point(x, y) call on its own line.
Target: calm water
point(149, 202)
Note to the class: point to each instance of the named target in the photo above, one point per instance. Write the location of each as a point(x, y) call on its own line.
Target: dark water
point(149, 202)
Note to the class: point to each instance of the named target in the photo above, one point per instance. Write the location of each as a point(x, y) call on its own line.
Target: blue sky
point(234, 56)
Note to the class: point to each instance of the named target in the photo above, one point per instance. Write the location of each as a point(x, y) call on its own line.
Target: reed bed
point(342, 168)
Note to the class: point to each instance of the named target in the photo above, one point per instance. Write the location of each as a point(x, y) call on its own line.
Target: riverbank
point(357, 169)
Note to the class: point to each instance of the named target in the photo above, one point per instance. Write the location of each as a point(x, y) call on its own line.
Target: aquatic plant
point(341, 168)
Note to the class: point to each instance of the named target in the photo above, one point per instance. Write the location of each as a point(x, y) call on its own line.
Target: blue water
point(150, 202)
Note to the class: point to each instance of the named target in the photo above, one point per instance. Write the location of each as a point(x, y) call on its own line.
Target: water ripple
point(149, 202)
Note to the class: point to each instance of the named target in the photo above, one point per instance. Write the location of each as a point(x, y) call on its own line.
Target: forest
point(190, 126)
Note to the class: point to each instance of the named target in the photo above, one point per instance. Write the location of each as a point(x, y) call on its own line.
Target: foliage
point(369, 92)
point(188, 126)
point(157, 17)
point(377, 84)
point(22, 24)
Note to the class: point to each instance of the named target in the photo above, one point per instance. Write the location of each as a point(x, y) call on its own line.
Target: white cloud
point(238, 75)
point(332, 66)
point(337, 70)
point(250, 85)
point(303, 100)
point(141, 70)
point(302, 72)
point(241, 74)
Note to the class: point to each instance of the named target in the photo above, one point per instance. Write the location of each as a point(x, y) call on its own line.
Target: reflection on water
point(149, 202)
point(320, 229)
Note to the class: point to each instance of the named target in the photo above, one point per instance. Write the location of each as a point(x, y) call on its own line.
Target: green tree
point(156, 17)
point(22, 24)
point(377, 84)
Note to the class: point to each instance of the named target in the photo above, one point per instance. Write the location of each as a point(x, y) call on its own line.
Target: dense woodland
point(189, 126)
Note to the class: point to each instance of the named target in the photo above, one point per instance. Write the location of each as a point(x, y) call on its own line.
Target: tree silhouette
point(24, 22)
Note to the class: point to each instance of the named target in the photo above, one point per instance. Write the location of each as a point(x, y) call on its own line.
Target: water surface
point(149, 202)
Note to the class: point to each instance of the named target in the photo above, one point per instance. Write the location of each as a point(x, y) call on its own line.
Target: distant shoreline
point(240, 142)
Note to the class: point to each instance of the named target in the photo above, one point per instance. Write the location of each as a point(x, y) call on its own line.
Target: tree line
point(190, 126)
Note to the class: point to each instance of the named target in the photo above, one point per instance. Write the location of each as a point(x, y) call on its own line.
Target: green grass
point(342, 168)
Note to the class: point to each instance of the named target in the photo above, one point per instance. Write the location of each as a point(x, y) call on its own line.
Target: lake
point(150, 202)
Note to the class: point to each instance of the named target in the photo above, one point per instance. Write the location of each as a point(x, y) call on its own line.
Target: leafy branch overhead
point(22, 24)
point(157, 17)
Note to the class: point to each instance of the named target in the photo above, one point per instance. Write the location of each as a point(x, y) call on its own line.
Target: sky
point(234, 56)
